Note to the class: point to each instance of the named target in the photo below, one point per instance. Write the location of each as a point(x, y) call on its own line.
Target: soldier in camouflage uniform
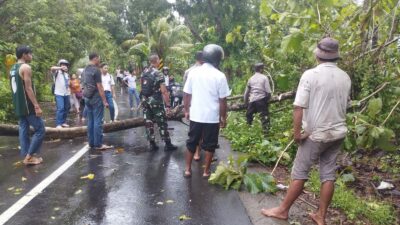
point(153, 106)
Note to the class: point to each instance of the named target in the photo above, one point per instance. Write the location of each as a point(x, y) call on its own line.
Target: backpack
point(53, 86)
point(88, 89)
point(148, 83)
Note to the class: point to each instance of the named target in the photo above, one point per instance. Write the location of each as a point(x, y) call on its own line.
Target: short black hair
point(93, 55)
point(258, 67)
point(328, 60)
point(103, 65)
point(153, 58)
point(21, 50)
point(199, 56)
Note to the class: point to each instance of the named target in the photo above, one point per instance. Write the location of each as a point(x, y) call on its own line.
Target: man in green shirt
point(27, 107)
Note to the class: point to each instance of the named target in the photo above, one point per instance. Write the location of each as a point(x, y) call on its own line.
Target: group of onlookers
point(319, 108)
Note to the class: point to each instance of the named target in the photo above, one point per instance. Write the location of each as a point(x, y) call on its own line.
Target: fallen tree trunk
point(73, 132)
point(68, 133)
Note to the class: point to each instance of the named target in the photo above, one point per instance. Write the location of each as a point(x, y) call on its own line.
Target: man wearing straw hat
point(320, 106)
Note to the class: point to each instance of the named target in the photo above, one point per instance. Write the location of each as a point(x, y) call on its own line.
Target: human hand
point(187, 115)
point(38, 111)
point(299, 137)
point(64, 68)
point(106, 104)
point(222, 122)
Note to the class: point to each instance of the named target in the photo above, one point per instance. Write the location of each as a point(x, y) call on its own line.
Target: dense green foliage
point(355, 208)
point(282, 34)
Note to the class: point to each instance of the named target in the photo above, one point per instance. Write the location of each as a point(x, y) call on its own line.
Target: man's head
point(165, 70)
point(154, 60)
point(64, 64)
point(24, 52)
point(94, 59)
point(259, 67)
point(199, 57)
point(104, 68)
point(327, 50)
point(213, 54)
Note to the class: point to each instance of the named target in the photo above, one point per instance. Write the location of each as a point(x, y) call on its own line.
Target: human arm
point(165, 95)
point(102, 95)
point(187, 100)
point(112, 87)
point(55, 68)
point(222, 112)
point(26, 72)
point(247, 94)
point(297, 119)
point(100, 88)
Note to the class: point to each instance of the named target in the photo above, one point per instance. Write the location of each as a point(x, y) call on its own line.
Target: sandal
point(187, 174)
point(104, 147)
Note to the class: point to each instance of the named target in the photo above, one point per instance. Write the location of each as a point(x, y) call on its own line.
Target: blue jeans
point(110, 102)
point(133, 92)
point(28, 146)
point(95, 115)
point(63, 105)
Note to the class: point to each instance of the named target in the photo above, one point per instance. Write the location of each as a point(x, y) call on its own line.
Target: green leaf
point(265, 9)
point(348, 177)
point(374, 107)
point(259, 182)
point(292, 42)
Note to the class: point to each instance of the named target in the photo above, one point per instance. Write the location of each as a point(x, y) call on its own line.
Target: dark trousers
point(259, 106)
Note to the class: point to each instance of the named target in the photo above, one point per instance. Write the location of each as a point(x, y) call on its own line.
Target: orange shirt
point(75, 86)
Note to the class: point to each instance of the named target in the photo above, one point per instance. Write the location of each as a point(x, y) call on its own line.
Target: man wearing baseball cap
point(320, 108)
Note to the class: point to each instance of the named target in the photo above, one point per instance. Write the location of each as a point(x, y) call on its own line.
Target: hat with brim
point(327, 48)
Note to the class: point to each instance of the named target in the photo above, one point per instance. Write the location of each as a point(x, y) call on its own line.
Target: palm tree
point(167, 39)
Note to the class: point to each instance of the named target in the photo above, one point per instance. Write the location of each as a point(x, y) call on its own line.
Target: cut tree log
point(73, 132)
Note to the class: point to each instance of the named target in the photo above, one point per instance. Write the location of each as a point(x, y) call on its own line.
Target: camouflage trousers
point(155, 113)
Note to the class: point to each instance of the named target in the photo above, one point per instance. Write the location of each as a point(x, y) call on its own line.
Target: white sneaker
point(59, 127)
point(65, 125)
point(133, 109)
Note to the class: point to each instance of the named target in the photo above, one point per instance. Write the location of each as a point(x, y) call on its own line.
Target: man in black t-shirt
point(95, 101)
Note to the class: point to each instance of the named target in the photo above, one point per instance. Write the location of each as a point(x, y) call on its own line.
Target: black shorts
point(208, 132)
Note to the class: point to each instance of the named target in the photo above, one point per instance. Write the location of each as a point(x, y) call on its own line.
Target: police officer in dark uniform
point(154, 95)
point(257, 95)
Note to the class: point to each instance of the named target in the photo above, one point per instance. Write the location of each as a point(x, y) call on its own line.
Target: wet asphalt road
point(132, 185)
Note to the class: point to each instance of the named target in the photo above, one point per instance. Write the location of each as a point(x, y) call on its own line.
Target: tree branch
point(192, 29)
point(391, 112)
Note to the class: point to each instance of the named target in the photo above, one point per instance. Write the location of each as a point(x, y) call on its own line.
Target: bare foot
point(275, 213)
point(317, 218)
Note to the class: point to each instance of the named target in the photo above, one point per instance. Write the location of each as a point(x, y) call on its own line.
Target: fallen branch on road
point(176, 114)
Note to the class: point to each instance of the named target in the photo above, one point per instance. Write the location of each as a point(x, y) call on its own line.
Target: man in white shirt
point(205, 90)
point(61, 92)
point(130, 81)
point(320, 106)
point(108, 84)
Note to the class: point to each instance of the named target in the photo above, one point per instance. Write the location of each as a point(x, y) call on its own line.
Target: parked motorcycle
point(176, 94)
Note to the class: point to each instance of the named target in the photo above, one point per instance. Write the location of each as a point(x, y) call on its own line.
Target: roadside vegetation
point(282, 34)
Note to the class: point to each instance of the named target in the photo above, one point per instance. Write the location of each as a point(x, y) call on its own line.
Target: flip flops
point(187, 174)
point(104, 147)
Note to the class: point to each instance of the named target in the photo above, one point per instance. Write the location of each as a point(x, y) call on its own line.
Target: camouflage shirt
point(156, 98)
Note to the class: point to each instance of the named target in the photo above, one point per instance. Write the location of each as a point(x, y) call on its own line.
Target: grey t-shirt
point(91, 76)
point(257, 88)
point(323, 93)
